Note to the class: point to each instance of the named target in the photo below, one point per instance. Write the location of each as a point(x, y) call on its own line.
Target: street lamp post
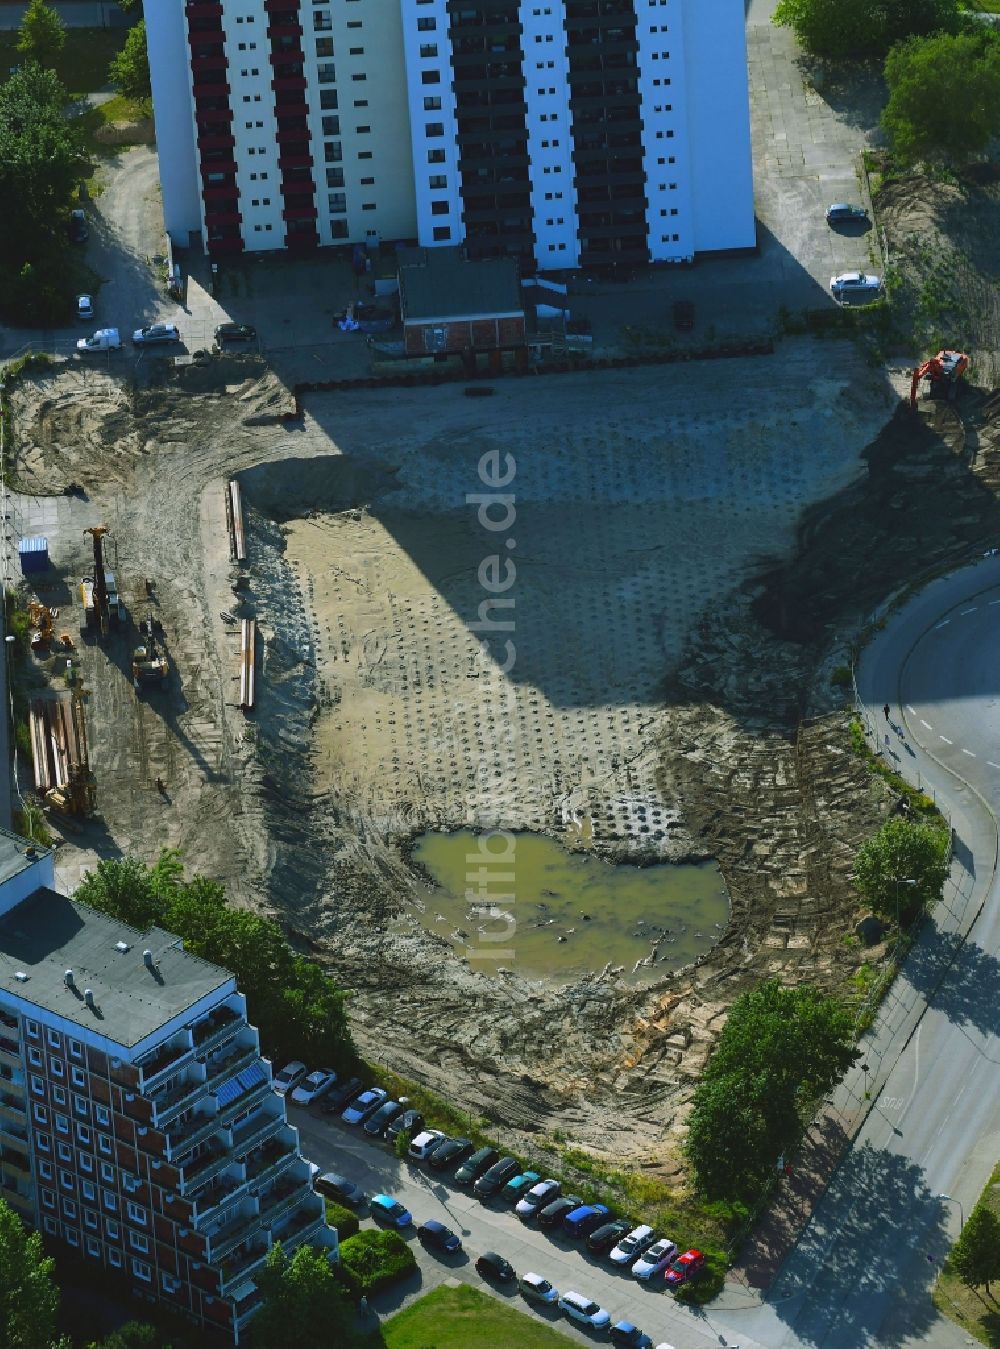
point(901, 880)
point(961, 1211)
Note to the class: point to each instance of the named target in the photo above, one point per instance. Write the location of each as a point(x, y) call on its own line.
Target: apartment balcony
point(241, 1056)
point(18, 1197)
point(10, 1052)
point(208, 88)
point(9, 1026)
point(253, 1132)
point(281, 6)
point(12, 1084)
point(169, 1105)
point(243, 1265)
point(299, 213)
point(14, 1164)
point(216, 1196)
point(285, 84)
point(295, 160)
point(197, 1130)
point(245, 1311)
point(267, 1162)
point(13, 1126)
point(204, 69)
point(285, 1194)
point(288, 134)
point(302, 241)
point(232, 1235)
point(152, 1070)
point(215, 1028)
point(217, 140)
point(230, 244)
point(204, 9)
point(284, 26)
point(300, 1228)
point(221, 215)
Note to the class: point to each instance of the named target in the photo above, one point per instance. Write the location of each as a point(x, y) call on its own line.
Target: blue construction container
point(33, 554)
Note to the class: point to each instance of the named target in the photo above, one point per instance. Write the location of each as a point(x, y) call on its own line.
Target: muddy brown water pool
point(523, 902)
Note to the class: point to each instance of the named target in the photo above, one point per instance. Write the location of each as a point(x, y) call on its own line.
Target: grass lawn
point(974, 1312)
point(83, 62)
point(465, 1318)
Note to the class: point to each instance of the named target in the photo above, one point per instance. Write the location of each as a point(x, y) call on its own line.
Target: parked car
point(385, 1209)
point(480, 1161)
point(855, 283)
point(425, 1143)
point(631, 1247)
point(235, 332)
point(491, 1182)
point(655, 1259)
point(518, 1185)
point(105, 339)
point(540, 1194)
point(156, 334)
point(290, 1076)
point(684, 315)
point(582, 1221)
point(409, 1122)
point(685, 1269)
point(536, 1289)
point(625, 1333)
point(338, 1187)
point(495, 1268)
point(433, 1233)
point(340, 1094)
point(364, 1106)
point(608, 1236)
point(377, 1124)
point(313, 1087)
point(552, 1214)
point(78, 230)
point(449, 1152)
point(840, 212)
point(84, 307)
point(584, 1310)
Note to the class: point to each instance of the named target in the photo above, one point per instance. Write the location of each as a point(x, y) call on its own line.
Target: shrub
point(840, 677)
point(346, 1222)
point(377, 1260)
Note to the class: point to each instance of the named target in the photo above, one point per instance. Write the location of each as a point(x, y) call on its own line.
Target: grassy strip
point(82, 65)
point(464, 1318)
point(922, 805)
point(642, 1198)
point(969, 1308)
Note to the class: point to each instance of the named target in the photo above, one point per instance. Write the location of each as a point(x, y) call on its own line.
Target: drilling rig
point(99, 596)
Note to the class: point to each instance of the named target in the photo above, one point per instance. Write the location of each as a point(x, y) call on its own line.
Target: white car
point(854, 283)
point(537, 1289)
point(537, 1197)
point(584, 1310)
point(655, 1260)
point(105, 339)
point(311, 1088)
point(631, 1247)
point(84, 307)
point(424, 1144)
point(157, 332)
point(290, 1076)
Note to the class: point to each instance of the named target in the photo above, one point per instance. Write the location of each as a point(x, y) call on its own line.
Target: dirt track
point(262, 806)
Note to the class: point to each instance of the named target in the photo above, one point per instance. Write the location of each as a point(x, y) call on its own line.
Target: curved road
point(863, 1270)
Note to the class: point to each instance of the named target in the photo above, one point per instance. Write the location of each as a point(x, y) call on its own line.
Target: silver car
point(156, 333)
point(855, 283)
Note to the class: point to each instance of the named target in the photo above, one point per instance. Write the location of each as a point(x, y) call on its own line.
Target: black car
point(433, 1233)
point(491, 1182)
point(478, 1163)
point(495, 1268)
point(409, 1122)
point(383, 1117)
point(553, 1214)
point(338, 1187)
point(450, 1153)
point(339, 1095)
point(235, 332)
point(608, 1236)
point(78, 231)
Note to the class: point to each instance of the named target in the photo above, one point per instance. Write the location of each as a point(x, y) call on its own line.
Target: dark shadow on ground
point(966, 991)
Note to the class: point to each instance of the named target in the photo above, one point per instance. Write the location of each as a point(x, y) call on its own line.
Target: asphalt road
point(494, 1226)
point(863, 1271)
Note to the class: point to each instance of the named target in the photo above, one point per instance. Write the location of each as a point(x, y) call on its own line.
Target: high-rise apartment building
point(573, 133)
point(137, 1120)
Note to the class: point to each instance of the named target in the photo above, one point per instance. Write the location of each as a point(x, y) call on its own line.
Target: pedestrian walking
point(886, 711)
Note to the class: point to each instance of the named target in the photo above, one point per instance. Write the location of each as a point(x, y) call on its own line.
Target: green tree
point(975, 1257)
point(780, 1049)
point(303, 1298)
point(39, 160)
point(298, 1009)
point(902, 869)
point(132, 1335)
point(29, 1299)
point(840, 28)
point(129, 70)
point(42, 34)
point(958, 72)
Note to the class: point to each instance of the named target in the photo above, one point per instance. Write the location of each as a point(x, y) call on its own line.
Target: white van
point(105, 339)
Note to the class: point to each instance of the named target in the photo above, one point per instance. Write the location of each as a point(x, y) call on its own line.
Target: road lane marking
point(912, 710)
point(945, 739)
point(968, 611)
point(926, 723)
point(969, 753)
point(942, 625)
point(992, 764)
point(994, 601)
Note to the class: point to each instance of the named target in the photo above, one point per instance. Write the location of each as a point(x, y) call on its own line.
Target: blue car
point(580, 1222)
point(388, 1210)
point(433, 1233)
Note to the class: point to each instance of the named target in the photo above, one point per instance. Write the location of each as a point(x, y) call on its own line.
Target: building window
point(46, 1170)
point(48, 1199)
point(136, 1214)
point(54, 1039)
point(115, 1258)
point(50, 1226)
point(89, 1191)
point(80, 1106)
point(435, 156)
point(107, 1172)
point(69, 1209)
point(324, 46)
point(43, 1143)
point(428, 49)
point(110, 1201)
point(432, 103)
point(78, 1077)
point(331, 126)
point(112, 1230)
point(59, 1096)
point(430, 77)
point(142, 1271)
point(62, 1124)
point(37, 1085)
point(41, 1115)
point(103, 1114)
point(441, 233)
point(86, 1163)
point(32, 1028)
point(433, 129)
point(439, 208)
point(104, 1144)
point(94, 1247)
point(138, 1242)
point(65, 1179)
point(437, 180)
point(34, 1057)
point(64, 1152)
point(71, 1236)
point(90, 1219)
point(83, 1135)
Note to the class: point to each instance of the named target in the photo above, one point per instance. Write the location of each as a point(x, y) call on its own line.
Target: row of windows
point(140, 1268)
point(54, 1039)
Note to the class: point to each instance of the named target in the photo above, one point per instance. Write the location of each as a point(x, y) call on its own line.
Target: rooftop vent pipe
point(88, 997)
point(147, 958)
point(68, 977)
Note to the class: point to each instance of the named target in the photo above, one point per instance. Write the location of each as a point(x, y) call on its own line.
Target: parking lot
point(494, 1226)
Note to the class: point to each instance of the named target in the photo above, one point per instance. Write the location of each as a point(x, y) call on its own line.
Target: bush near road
point(840, 28)
point(902, 870)
point(374, 1260)
point(346, 1222)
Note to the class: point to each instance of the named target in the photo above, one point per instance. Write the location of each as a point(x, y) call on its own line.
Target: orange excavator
point(944, 370)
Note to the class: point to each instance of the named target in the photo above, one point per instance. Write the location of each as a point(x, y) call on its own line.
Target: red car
point(685, 1268)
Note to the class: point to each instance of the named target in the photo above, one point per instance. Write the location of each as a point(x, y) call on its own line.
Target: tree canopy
point(840, 28)
point(298, 1009)
point(975, 1257)
point(902, 869)
point(302, 1297)
point(42, 34)
point(29, 1298)
point(129, 70)
point(780, 1049)
point(959, 72)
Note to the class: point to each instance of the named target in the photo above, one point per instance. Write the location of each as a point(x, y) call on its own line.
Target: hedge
point(342, 1219)
point(375, 1260)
